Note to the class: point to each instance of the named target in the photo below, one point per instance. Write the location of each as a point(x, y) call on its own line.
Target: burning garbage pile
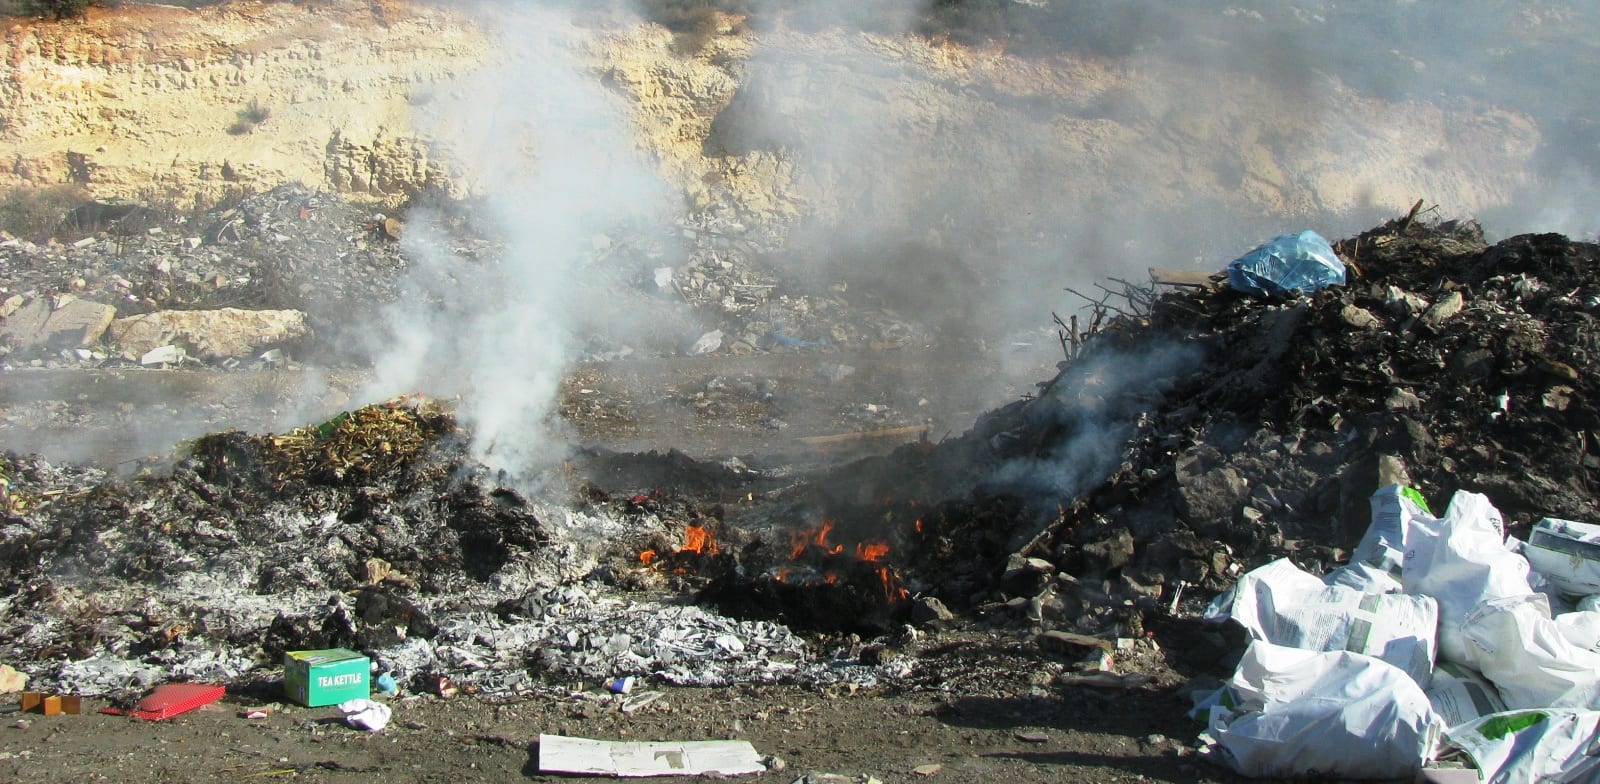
point(1194, 432)
point(371, 531)
point(1202, 430)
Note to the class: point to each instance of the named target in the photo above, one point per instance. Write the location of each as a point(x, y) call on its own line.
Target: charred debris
point(1192, 433)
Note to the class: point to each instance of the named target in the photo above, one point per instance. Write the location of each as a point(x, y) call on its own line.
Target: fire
point(872, 551)
point(893, 591)
point(697, 539)
point(800, 540)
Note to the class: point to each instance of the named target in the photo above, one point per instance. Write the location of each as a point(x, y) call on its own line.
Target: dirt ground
point(980, 715)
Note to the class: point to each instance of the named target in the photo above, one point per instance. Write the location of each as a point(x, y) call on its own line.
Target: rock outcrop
point(200, 104)
point(211, 335)
point(62, 322)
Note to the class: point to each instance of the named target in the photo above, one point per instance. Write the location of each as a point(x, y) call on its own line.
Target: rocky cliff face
point(177, 104)
point(156, 101)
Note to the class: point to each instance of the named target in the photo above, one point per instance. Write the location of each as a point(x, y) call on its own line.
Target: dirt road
point(978, 708)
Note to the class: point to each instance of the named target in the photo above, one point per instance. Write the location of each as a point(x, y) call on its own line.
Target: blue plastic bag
point(1303, 262)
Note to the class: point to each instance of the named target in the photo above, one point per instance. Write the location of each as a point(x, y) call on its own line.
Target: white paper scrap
point(561, 754)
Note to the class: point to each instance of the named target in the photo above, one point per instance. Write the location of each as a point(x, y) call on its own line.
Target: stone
point(72, 323)
point(1068, 642)
point(211, 335)
point(1559, 369)
point(1473, 364)
point(1209, 495)
point(1443, 310)
point(1112, 553)
point(11, 680)
point(162, 355)
point(709, 342)
point(928, 610)
point(1359, 317)
point(1128, 587)
point(1558, 397)
point(375, 570)
point(1403, 400)
point(1392, 471)
point(1026, 576)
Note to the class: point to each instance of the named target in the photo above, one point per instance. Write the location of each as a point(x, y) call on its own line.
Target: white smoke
point(1099, 402)
point(551, 161)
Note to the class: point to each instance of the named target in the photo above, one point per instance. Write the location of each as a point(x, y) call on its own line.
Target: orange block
point(50, 705)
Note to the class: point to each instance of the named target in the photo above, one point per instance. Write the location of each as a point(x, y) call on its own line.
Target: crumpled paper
point(364, 714)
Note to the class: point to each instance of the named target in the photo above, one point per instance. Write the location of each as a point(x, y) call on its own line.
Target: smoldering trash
point(1194, 434)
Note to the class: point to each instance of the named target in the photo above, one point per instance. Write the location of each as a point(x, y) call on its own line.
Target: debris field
point(1192, 433)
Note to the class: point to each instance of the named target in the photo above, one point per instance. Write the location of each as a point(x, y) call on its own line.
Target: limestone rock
point(929, 610)
point(1359, 317)
point(70, 323)
point(210, 335)
point(11, 680)
point(1443, 310)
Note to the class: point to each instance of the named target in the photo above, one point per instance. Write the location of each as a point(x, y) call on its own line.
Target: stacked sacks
point(1499, 647)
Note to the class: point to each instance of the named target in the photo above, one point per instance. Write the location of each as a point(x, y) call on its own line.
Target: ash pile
point(372, 531)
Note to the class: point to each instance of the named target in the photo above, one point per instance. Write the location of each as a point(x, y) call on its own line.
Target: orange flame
point(872, 551)
point(698, 539)
point(800, 540)
point(892, 590)
point(917, 525)
point(822, 539)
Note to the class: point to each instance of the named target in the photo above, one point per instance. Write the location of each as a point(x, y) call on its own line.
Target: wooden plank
point(1191, 278)
point(562, 754)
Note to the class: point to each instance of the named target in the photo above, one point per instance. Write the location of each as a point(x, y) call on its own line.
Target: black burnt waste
point(1191, 433)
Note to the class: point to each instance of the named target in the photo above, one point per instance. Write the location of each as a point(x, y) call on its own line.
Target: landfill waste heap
point(1193, 433)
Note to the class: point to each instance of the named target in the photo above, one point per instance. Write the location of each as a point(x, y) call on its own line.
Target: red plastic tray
point(171, 699)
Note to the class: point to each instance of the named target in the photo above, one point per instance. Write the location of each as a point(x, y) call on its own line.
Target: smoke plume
point(553, 168)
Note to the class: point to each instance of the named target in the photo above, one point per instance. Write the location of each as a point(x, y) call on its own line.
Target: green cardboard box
point(326, 677)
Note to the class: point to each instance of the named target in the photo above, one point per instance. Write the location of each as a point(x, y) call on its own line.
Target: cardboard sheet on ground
point(562, 754)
